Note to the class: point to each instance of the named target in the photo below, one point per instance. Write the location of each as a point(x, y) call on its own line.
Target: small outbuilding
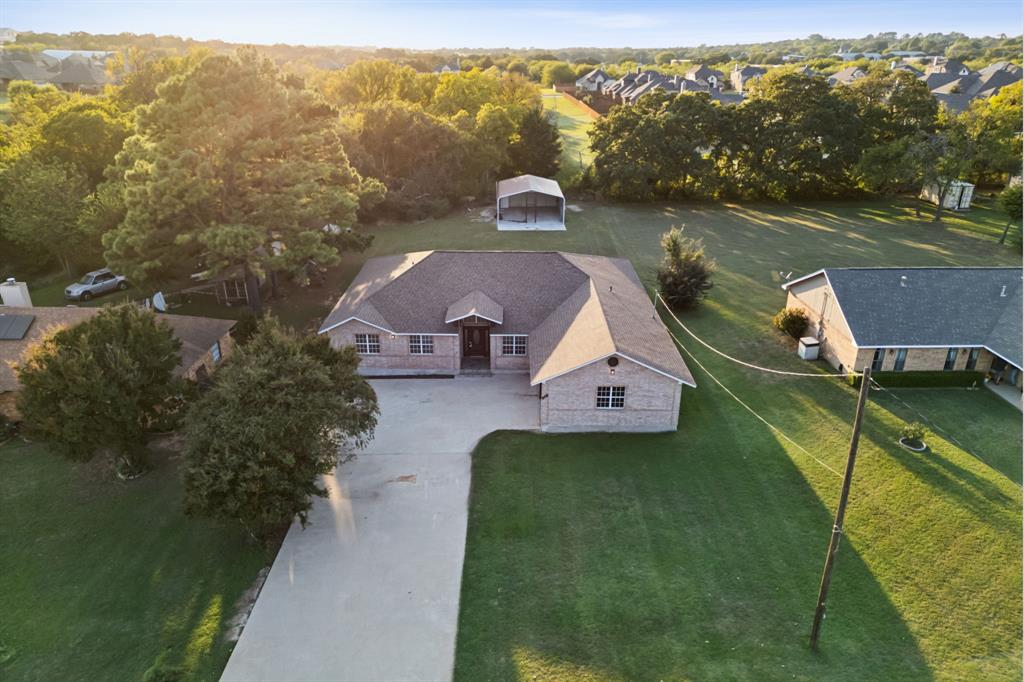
point(529, 202)
point(957, 198)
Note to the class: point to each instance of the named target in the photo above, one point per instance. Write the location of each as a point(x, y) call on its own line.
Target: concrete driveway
point(370, 590)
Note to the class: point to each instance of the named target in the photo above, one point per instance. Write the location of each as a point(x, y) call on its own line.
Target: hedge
point(931, 379)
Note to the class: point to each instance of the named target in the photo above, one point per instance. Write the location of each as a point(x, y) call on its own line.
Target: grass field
point(573, 123)
point(696, 555)
point(100, 578)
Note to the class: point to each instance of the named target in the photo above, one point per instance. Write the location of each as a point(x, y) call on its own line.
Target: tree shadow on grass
point(690, 555)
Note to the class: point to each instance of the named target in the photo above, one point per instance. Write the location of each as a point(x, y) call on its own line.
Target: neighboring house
point(582, 327)
point(634, 85)
point(742, 75)
point(957, 90)
point(853, 56)
point(592, 81)
point(915, 319)
point(794, 57)
point(8, 35)
point(846, 76)
point(951, 67)
point(807, 71)
point(205, 342)
point(76, 70)
point(529, 202)
point(905, 54)
point(713, 78)
point(449, 68)
point(903, 66)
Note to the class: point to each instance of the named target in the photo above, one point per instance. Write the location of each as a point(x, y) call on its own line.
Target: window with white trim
point(215, 352)
point(513, 345)
point(611, 397)
point(368, 344)
point(421, 344)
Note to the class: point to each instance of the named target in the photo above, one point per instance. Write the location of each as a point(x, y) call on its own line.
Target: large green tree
point(240, 164)
point(40, 207)
point(536, 146)
point(84, 133)
point(994, 124)
point(259, 461)
point(891, 105)
point(101, 384)
point(794, 137)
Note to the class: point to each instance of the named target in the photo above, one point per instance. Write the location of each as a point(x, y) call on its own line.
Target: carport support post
point(837, 527)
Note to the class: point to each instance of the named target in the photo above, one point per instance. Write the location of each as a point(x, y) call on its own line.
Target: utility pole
point(837, 527)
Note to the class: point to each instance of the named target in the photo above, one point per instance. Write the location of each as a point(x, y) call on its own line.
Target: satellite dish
point(159, 302)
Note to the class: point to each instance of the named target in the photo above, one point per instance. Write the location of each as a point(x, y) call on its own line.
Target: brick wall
point(8, 407)
point(836, 343)
point(925, 359)
point(652, 400)
point(508, 363)
point(394, 356)
point(227, 347)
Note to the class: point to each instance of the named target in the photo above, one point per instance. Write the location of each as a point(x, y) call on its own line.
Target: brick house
point(205, 342)
point(915, 319)
point(581, 327)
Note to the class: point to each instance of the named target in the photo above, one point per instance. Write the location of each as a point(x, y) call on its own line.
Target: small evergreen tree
point(685, 273)
point(101, 384)
point(536, 147)
point(275, 420)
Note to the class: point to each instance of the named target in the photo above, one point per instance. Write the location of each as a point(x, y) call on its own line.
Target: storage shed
point(529, 202)
point(958, 195)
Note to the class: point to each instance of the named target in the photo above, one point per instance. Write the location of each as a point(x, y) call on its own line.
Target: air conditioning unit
point(808, 348)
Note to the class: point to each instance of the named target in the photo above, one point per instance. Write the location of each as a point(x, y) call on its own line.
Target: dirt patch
point(575, 208)
point(483, 215)
point(408, 478)
point(243, 607)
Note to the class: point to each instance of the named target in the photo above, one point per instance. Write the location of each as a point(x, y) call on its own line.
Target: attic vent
point(1002, 294)
point(613, 361)
point(903, 280)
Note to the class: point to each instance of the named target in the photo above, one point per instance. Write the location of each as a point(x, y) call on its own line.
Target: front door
point(476, 342)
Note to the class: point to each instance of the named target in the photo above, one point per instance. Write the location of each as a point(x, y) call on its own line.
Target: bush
point(913, 433)
point(931, 379)
point(792, 321)
point(684, 277)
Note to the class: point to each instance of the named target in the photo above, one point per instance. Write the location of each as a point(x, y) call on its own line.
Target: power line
point(749, 408)
point(816, 375)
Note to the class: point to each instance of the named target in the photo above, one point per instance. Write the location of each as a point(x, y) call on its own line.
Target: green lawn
point(99, 578)
point(696, 555)
point(573, 124)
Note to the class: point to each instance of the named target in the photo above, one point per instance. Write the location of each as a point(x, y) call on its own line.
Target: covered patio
point(528, 202)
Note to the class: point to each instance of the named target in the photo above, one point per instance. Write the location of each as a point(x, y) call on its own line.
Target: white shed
point(529, 202)
point(958, 195)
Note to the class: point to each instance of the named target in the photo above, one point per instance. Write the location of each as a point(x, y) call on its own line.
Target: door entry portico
point(476, 341)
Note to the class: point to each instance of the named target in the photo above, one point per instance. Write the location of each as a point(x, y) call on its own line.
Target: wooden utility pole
point(837, 527)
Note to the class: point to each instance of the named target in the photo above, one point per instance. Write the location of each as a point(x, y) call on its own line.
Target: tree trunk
point(252, 292)
point(66, 262)
point(938, 207)
point(1006, 231)
point(273, 283)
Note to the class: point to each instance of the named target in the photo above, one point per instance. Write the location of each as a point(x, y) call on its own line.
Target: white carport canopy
point(519, 197)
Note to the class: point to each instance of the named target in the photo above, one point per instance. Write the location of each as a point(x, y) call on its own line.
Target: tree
point(141, 74)
point(664, 58)
point(371, 80)
point(419, 157)
point(994, 125)
point(536, 146)
point(237, 162)
point(41, 203)
point(100, 384)
point(1010, 200)
point(685, 273)
point(86, 134)
point(464, 91)
point(891, 105)
point(259, 461)
point(557, 72)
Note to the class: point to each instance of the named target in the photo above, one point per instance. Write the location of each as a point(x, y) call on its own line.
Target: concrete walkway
point(1007, 392)
point(370, 590)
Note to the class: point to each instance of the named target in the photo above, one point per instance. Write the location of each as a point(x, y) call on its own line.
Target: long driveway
point(370, 590)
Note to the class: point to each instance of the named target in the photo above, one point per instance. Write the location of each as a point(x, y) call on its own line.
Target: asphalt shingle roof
point(575, 308)
point(952, 307)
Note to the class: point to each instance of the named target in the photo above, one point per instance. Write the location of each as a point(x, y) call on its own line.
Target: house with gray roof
point(742, 75)
point(846, 76)
point(581, 328)
point(593, 80)
point(705, 75)
point(916, 319)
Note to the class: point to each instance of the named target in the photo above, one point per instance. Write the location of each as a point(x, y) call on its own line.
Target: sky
point(512, 23)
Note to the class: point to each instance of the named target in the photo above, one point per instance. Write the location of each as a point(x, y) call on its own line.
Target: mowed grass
point(573, 123)
point(100, 578)
point(697, 555)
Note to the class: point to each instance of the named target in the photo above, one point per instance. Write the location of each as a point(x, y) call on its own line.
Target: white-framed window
point(513, 345)
point(421, 344)
point(611, 397)
point(215, 352)
point(368, 344)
